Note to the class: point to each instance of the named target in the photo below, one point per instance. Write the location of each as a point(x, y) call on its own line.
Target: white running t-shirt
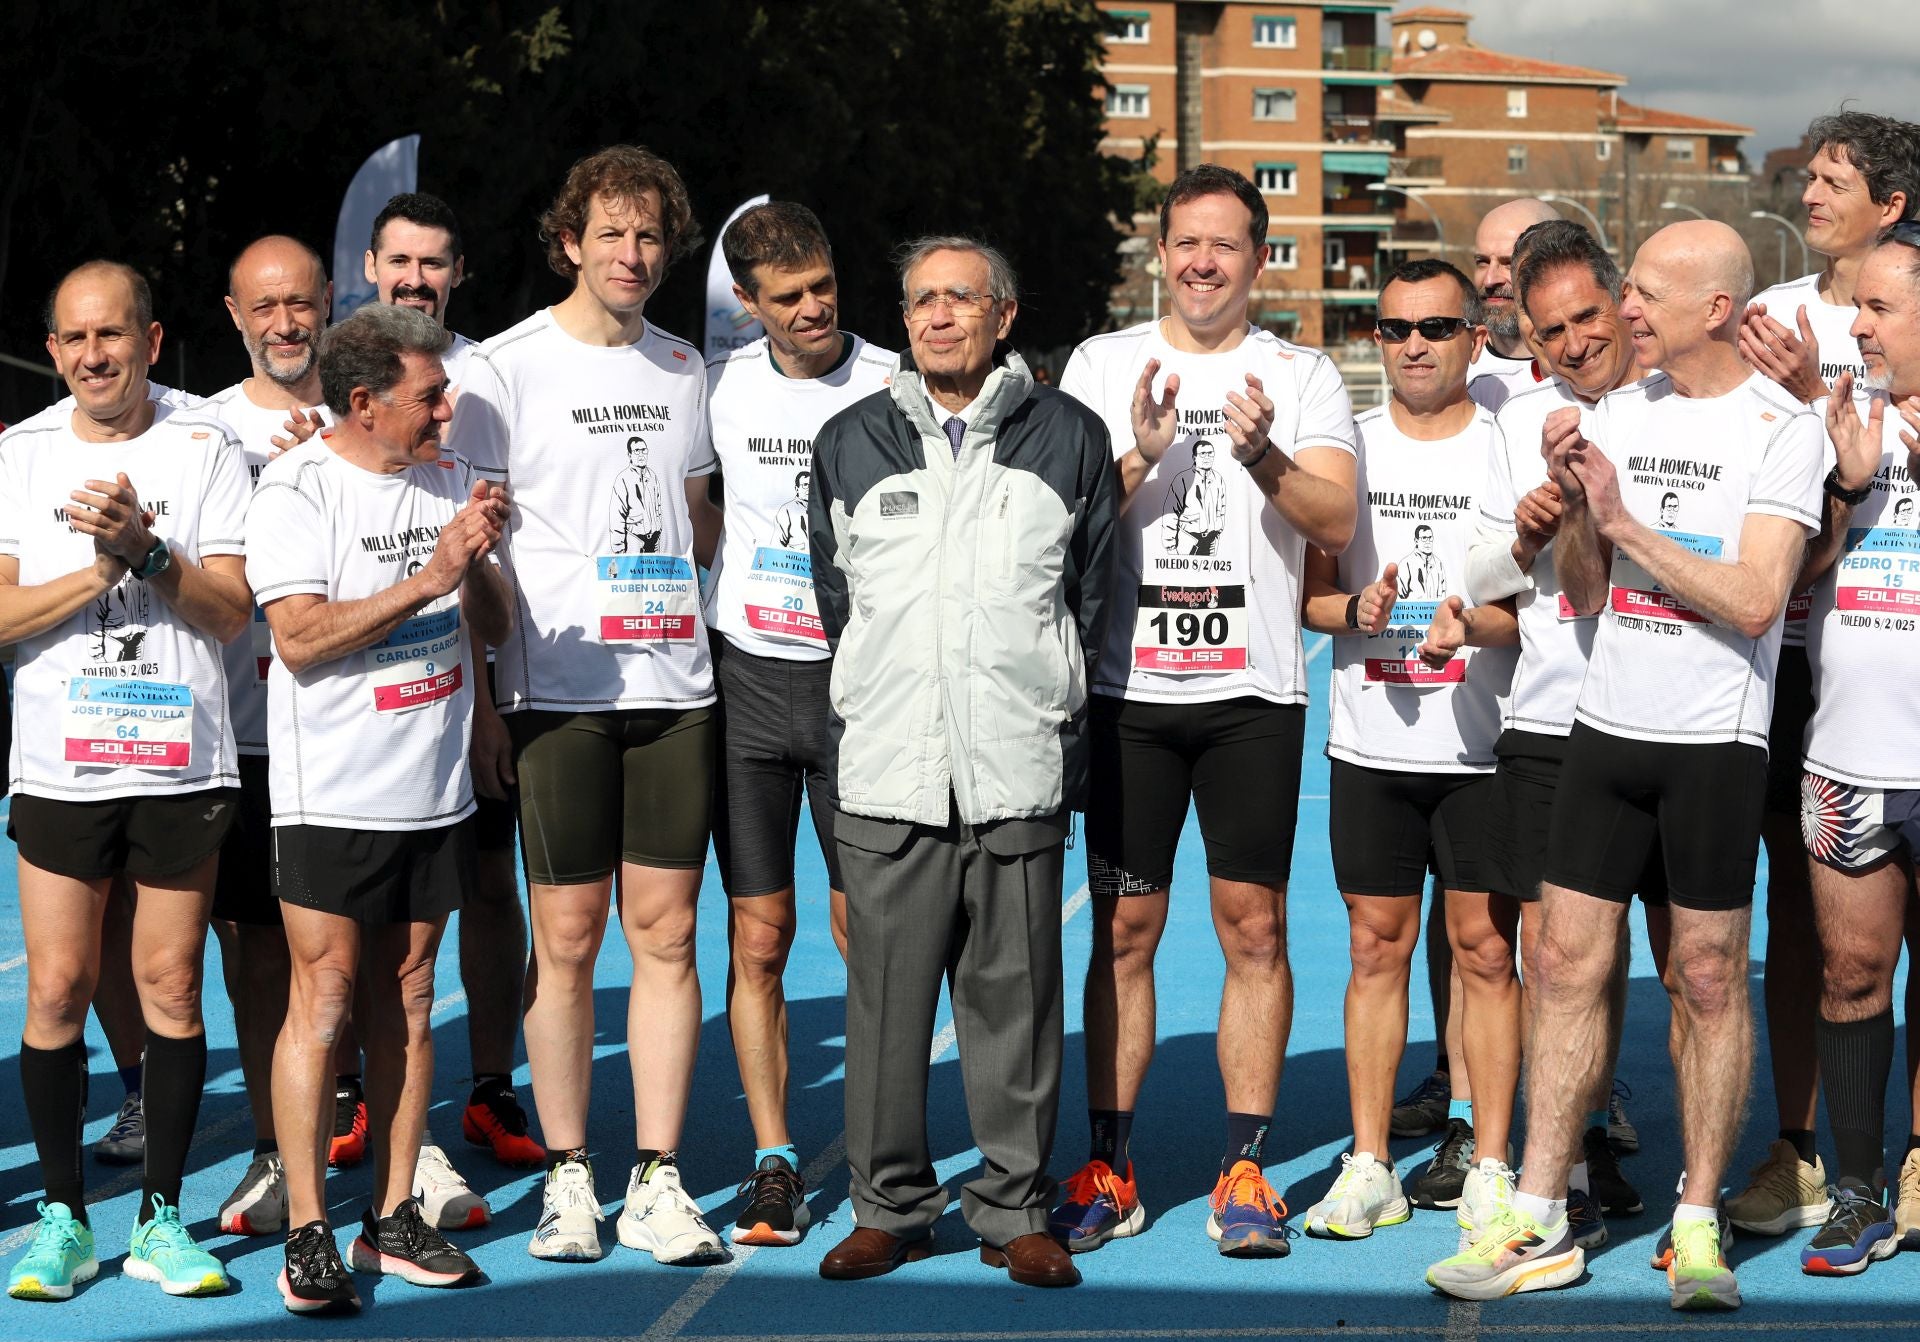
point(1390, 709)
point(247, 657)
point(1694, 468)
point(1206, 573)
point(377, 739)
point(1555, 642)
point(1493, 378)
point(123, 698)
point(595, 445)
point(1865, 634)
point(764, 423)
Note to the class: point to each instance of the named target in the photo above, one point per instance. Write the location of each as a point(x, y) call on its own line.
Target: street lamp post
point(1592, 218)
point(1676, 205)
point(1439, 229)
point(1806, 257)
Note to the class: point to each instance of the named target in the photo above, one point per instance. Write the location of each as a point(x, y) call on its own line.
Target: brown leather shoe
point(1035, 1259)
point(873, 1253)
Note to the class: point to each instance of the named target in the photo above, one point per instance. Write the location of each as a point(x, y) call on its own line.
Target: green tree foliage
point(186, 131)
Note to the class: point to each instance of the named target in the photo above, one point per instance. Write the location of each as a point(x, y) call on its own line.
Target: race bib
point(419, 663)
point(112, 723)
point(1635, 593)
point(1879, 572)
point(777, 595)
point(1567, 612)
point(1392, 656)
point(646, 599)
point(1197, 630)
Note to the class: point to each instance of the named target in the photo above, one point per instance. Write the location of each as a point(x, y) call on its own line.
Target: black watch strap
point(1851, 497)
point(157, 561)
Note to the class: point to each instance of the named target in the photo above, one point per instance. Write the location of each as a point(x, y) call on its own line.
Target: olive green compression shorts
point(599, 789)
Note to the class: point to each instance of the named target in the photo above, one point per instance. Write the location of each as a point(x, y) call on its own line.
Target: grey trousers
point(981, 908)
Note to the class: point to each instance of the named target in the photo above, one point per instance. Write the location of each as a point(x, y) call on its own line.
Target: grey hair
point(365, 349)
point(1547, 247)
point(1000, 277)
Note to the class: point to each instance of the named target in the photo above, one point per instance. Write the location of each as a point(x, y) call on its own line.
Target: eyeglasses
point(1396, 330)
point(960, 302)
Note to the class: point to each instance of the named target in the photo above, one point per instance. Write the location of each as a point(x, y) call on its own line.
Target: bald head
point(278, 254)
point(1685, 296)
point(1493, 268)
point(1705, 254)
point(278, 297)
point(117, 277)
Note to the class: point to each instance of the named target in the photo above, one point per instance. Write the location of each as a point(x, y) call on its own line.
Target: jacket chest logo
point(903, 504)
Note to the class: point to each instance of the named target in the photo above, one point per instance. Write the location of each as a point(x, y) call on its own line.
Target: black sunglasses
point(1395, 330)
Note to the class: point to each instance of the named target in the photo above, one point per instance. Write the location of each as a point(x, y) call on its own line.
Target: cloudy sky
point(1768, 64)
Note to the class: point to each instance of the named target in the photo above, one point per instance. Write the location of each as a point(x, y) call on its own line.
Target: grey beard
point(1504, 327)
point(284, 375)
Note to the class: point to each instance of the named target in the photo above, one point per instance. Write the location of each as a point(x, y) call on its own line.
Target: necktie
point(956, 428)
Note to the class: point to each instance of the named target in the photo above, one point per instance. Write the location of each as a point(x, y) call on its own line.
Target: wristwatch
point(1853, 498)
point(157, 561)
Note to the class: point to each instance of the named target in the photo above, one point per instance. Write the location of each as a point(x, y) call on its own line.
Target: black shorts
point(1237, 760)
point(1787, 736)
point(1388, 829)
point(243, 891)
point(1620, 797)
point(774, 743)
point(6, 728)
point(142, 836)
point(495, 823)
point(375, 876)
point(599, 789)
point(1520, 817)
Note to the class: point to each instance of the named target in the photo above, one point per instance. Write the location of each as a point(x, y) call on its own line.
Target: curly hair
point(624, 172)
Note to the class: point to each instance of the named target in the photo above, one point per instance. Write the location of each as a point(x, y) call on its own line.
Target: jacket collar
point(1007, 386)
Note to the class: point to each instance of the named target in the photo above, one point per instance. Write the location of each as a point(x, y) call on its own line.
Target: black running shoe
point(776, 1210)
point(1616, 1196)
point(403, 1245)
point(1440, 1184)
point(315, 1281)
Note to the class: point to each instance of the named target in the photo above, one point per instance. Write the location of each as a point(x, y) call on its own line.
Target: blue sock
point(1460, 1109)
point(786, 1153)
point(130, 1078)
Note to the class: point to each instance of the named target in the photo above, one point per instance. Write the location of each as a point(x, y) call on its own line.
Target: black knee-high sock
point(176, 1075)
point(54, 1083)
point(1855, 1060)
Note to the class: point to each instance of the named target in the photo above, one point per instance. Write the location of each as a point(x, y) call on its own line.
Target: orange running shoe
point(1249, 1219)
point(349, 1144)
point(497, 1121)
point(1098, 1205)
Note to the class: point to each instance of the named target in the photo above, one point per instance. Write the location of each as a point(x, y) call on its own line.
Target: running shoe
point(1248, 1218)
point(162, 1251)
point(444, 1198)
point(662, 1220)
point(1487, 1188)
point(349, 1145)
point(1663, 1247)
point(1621, 1134)
point(1859, 1229)
point(403, 1245)
point(1424, 1110)
point(1098, 1205)
point(1616, 1196)
point(58, 1258)
point(1438, 1186)
point(1588, 1222)
point(1365, 1197)
point(314, 1280)
point(1698, 1277)
point(570, 1214)
point(776, 1210)
point(1783, 1193)
point(497, 1122)
point(1906, 1211)
point(126, 1141)
point(258, 1204)
point(1513, 1253)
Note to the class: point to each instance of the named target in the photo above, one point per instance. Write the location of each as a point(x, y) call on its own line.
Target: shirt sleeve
point(482, 418)
point(1080, 381)
point(701, 459)
point(289, 558)
point(223, 512)
point(1326, 412)
point(1788, 481)
point(13, 497)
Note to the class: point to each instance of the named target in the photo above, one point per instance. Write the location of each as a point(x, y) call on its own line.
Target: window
point(1277, 179)
point(1275, 105)
point(1286, 253)
point(1516, 158)
point(1516, 102)
point(1603, 150)
point(1271, 30)
point(1132, 25)
point(1336, 253)
point(1127, 100)
point(1679, 149)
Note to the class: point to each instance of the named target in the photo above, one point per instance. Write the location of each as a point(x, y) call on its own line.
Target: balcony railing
point(1358, 203)
point(1356, 58)
point(1350, 129)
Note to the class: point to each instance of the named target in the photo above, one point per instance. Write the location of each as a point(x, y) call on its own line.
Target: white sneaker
point(1365, 1197)
point(445, 1200)
point(258, 1204)
point(1488, 1187)
point(662, 1220)
point(569, 1215)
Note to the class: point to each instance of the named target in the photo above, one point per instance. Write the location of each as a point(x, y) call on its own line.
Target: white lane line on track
point(1313, 653)
point(691, 1301)
point(450, 1001)
point(7, 966)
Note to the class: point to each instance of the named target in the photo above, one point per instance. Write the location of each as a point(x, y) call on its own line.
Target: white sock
point(1544, 1211)
point(1693, 1211)
point(1577, 1178)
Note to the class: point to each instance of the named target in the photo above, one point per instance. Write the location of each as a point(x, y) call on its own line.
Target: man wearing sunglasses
point(1864, 176)
point(1200, 695)
point(1669, 745)
point(1417, 679)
